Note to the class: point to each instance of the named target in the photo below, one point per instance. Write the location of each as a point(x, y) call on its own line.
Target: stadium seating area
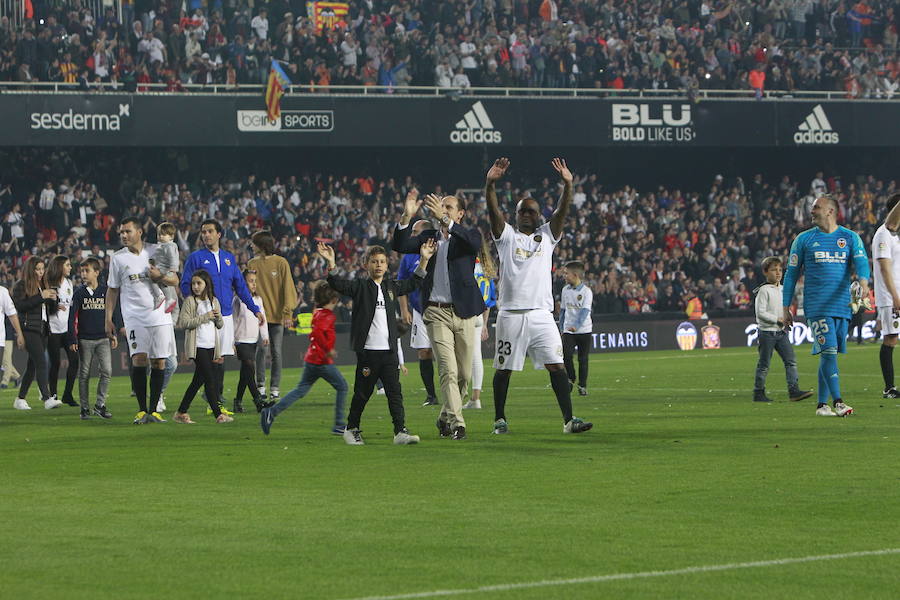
point(672, 44)
point(647, 248)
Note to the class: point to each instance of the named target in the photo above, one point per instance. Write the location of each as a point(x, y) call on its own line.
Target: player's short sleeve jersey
point(526, 262)
point(573, 301)
point(8, 308)
point(129, 273)
point(827, 261)
point(408, 265)
point(885, 244)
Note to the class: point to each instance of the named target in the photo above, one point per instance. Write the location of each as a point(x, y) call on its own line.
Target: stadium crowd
point(833, 45)
point(646, 250)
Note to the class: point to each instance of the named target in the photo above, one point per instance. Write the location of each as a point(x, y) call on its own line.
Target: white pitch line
point(638, 575)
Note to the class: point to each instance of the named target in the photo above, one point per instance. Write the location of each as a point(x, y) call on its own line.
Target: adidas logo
point(475, 128)
point(816, 129)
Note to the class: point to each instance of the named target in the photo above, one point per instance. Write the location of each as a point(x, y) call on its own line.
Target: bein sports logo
point(290, 120)
point(77, 121)
point(816, 129)
point(476, 127)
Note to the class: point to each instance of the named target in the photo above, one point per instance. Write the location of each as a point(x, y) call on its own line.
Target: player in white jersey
point(148, 328)
point(525, 323)
point(886, 255)
point(576, 302)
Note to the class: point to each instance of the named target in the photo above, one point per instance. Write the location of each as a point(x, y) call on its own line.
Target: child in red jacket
point(318, 362)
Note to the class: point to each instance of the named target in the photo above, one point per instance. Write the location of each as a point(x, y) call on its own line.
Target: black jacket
point(365, 294)
point(464, 247)
point(29, 308)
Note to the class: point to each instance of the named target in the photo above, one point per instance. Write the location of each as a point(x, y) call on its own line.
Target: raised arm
point(558, 218)
point(341, 286)
point(498, 221)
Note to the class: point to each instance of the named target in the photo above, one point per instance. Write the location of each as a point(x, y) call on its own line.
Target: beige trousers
point(9, 371)
point(452, 340)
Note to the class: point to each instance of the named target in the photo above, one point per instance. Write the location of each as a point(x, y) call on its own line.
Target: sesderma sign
point(80, 121)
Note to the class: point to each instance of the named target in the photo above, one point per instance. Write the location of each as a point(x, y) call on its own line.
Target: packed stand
point(756, 46)
point(645, 250)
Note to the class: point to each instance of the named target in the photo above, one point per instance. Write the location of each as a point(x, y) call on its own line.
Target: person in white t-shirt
point(886, 255)
point(8, 309)
point(148, 328)
point(525, 323)
point(58, 271)
point(576, 301)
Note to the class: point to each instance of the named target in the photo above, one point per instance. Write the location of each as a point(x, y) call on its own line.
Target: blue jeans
point(171, 365)
point(779, 342)
point(311, 374)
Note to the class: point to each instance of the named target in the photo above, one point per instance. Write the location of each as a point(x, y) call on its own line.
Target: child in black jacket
point(373, 334)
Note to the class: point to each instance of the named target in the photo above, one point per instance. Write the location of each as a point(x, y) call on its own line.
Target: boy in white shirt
point(772, 335)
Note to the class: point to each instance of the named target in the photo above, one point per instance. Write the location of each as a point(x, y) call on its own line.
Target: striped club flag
point(278, 83)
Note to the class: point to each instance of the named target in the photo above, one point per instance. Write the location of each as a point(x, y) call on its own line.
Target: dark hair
point(213, 222)
point(165, 228)
point(892, 201)
point(93, 263)
point(30, 279)
point(265, 241)
point(769, 261)
point(575, 265)
point(133, 220)
point(208, 292)
point(55, 270)
point(324, 294)
point(374, 250)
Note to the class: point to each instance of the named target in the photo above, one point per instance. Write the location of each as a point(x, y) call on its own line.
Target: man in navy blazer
point(450, 297)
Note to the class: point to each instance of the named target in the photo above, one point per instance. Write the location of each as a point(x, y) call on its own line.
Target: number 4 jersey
point(824, 260)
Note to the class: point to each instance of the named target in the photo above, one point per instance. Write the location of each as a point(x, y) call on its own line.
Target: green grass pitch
point(681, 470)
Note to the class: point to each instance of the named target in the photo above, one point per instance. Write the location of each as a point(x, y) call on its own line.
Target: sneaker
point(238, 407)
point(761, 397)
point(223, 410)
point(443, 428)
point(472, 404)
point(891, 393)
point(70, 401)
point(183, 418)
point(404, 437)
point(825, 411)
point(140, 418)
point(223, 418)
point(3, 386)
point(842, 410)
point(51, 403)
point(102, 412)
point(21, 404)
point(171, 306)
point(263, 403)
point(430, 401)
point(582, 391)
point(380, 392)
point(798, 395)
point(262, 392)
point(274, 395)
point(161, 405)
point(85, 415)
point(155, 417)
point(266, 417)
point(459, 433)
point(338, 430)
point(501, 426)
point(353, 437)
point(576, 425)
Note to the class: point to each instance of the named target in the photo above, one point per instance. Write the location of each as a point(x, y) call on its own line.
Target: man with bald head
point(525, 322)
point(450, 296)
point(826, 255)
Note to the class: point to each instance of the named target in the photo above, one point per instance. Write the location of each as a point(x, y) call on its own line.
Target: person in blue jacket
point(227, 281)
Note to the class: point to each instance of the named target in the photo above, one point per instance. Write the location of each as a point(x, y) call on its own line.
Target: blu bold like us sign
point(644, 122)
